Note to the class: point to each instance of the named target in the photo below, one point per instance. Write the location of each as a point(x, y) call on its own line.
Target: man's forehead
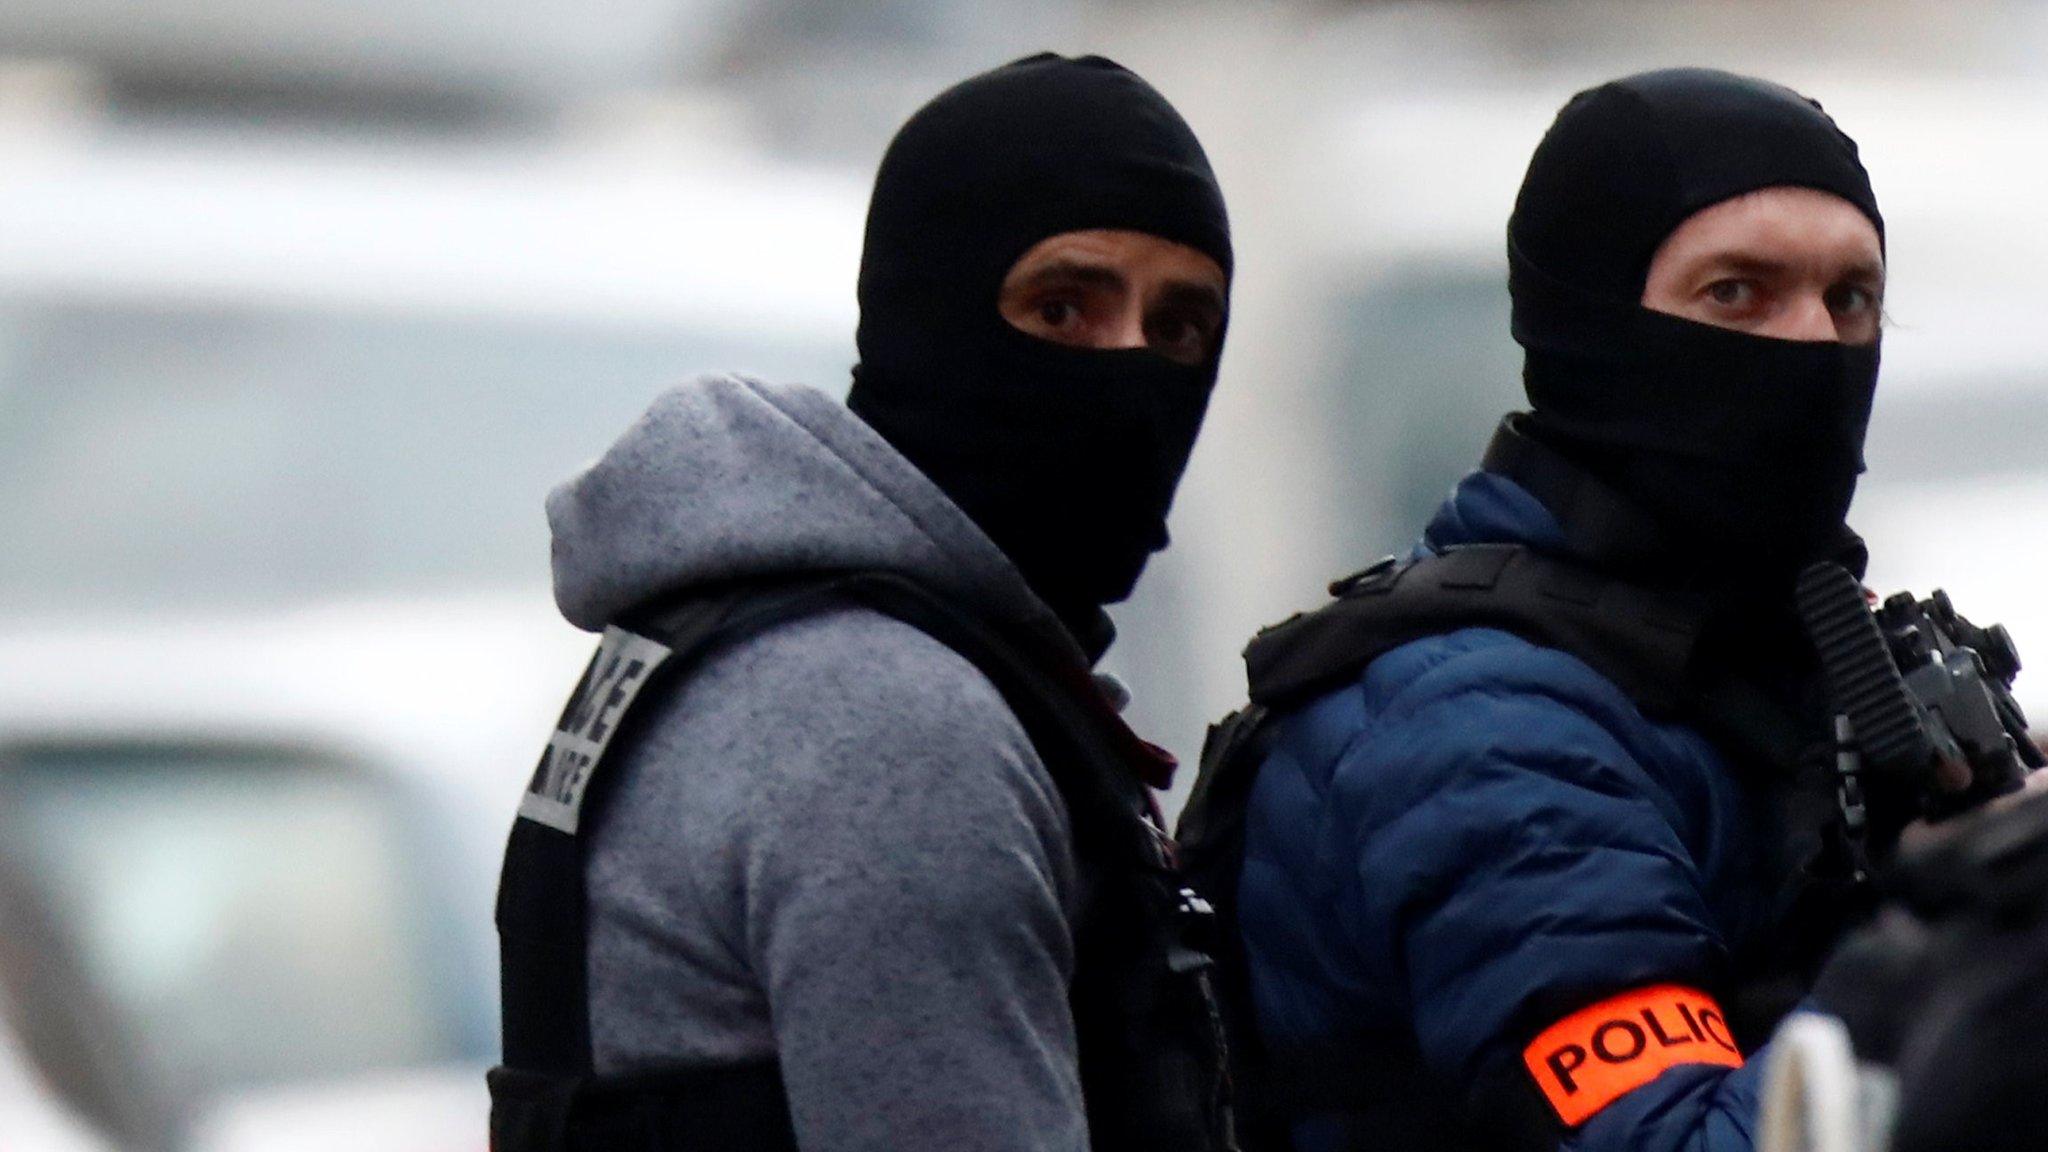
point(1098, 254)
point(1077, 268)
point(1760, 259)
point(1093, 245)
point(1780, 227)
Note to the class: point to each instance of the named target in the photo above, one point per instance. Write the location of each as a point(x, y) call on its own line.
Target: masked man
point(839, 845)
point(1543, 864)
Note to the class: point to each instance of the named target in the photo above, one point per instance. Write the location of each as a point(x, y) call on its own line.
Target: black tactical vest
point(1642, 640)
point(1149, 1032)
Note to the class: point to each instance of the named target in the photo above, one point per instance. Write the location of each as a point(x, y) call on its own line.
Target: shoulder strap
point(1210, 839)
point(1093, 756)
point(1641, 639)
point(1231, 753)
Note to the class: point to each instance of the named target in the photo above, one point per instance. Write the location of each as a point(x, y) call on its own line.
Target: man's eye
point(1184, 339)
point(1851, 299)
point(1732, 293)
point(1058, 313)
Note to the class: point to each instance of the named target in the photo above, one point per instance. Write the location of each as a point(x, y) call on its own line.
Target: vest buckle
point(1369, 579)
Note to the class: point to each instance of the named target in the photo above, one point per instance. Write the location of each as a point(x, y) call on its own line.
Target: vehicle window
point(168, 457)
point(249, 916)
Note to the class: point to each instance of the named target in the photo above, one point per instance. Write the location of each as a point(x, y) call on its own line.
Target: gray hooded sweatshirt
point(834, 843)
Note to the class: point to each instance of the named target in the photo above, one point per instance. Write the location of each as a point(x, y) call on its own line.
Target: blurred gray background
point(303, 307)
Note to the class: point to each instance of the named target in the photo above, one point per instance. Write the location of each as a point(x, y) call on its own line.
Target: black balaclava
point(1744, 449)
point(1067, 457)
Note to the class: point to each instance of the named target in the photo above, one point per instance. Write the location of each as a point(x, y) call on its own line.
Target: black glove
point(1950, 987)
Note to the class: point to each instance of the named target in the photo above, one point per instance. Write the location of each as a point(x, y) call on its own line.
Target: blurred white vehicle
point(276, 651)
point(33, 1116)
point(267, 845)
point(68, 1076)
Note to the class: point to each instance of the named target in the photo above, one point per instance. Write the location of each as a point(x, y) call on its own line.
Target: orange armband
point(1597, 1055)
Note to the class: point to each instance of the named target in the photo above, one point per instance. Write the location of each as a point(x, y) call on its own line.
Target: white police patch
point(621, 667)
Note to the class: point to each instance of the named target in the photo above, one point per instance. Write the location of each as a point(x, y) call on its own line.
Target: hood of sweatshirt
point(725, 478)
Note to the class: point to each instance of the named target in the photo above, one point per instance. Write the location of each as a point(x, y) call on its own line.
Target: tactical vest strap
point(1597, 521)
point(1084, 744)
point(1211, 841)
point(1641, 640)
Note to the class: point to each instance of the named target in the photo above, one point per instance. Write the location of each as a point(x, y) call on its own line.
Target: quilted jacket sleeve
point(1520, 849)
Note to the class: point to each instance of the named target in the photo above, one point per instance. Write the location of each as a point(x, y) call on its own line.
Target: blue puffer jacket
point(1480, 837)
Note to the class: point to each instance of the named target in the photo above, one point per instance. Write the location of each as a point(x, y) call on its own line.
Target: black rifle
point(1914, 686)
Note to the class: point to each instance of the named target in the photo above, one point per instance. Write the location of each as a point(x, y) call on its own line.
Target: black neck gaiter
point(1744, 449)
point(1066, 457)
